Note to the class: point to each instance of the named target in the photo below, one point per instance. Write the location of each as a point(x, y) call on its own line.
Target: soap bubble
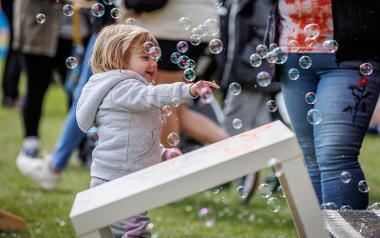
point(262, 50)
point(237, 123)
point(331, 46)
point(255, 60)
point(293, 74)
point(97, 10)
point(363, 186)
point(215, 46)
point(173, 139)
point(185, 23)
point(311, 30)
point(115, 13)
point(130, 22)
point(345, 177)
point(195, 39)
point(314, 116)
point(311, 98)
point(68, 10)
point(189, 75)
point(174, 57)
point(263, 79)
point(182, 46)
point(305, 62)
point(366, 69)
point(234, 88)
point(71, 62)
point(40, 18)
point(272, 106)
point(212, 27)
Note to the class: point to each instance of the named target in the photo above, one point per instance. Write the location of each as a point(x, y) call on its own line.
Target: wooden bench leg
point(301, 199)
point(105, 232)
point(10, 222)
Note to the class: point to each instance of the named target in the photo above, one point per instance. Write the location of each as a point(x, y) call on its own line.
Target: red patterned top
point(305, 25)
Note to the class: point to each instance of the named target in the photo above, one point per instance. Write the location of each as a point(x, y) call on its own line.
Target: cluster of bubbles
point(208, 29)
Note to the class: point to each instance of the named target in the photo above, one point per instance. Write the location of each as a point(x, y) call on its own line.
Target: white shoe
point(38, 171)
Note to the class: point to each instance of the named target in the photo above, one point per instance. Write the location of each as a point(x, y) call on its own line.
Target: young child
point(124, 106)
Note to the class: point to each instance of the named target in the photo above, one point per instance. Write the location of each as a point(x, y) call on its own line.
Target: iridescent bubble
point(175, 102)
point(174, 57)
point(293, 74)
point(115, 13)
point(200, 29)
point(185, 23)
point(293, 45)
point(255, 60)
point(71, 62)
point(311, 31)
point(195, 39)
point(148, 45)
point(272, 46)
point(281, 55)
point(173, 139)
point(263, 79)
point(242, 193)
point(345, 177)
point(97, 10)
point(363, 186)
point(204, 212)
point(155, 52)
point(262, 50)
point(130, 22)
point(234, 88)
point(329, 206)
point(366, 69)
point(40, 18)
point(210, 223)
point(305, 62)
point(272, 57)
point(109, 2)
point(310, 98)
point(314, 116)
point(274, 204)
point(331, 46)
point(189, 75)
point(265, 190)
point(68, 10)
point(190, 64)
point(272, 106)
point(237, 123)
point(345, 208)
point(215, 46)
point(182, 61)
point(166, 110)
point(212, 27)
point(182, 46)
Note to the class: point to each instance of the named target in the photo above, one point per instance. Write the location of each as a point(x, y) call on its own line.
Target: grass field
point(47, 212)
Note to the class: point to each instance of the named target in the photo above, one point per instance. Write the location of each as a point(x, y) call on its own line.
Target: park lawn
point(47, 212)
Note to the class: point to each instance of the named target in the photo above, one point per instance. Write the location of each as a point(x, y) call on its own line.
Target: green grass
point(47, 212)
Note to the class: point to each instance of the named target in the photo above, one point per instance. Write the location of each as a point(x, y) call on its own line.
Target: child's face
point(144, 64)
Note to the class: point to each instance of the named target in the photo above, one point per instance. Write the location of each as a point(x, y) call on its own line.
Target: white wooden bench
point(96, 208)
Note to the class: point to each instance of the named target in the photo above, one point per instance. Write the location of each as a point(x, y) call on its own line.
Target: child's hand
point(202, 87)
point(171, 153)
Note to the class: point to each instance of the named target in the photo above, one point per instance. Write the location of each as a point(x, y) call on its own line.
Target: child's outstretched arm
point(135, 95)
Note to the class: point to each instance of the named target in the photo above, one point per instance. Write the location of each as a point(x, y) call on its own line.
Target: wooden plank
point(186, 175)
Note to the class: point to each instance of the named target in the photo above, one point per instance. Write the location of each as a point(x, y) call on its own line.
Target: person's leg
point(71, 135)
point(346, 106)
point(294, 94)
point(11, 78)
point(39, 72)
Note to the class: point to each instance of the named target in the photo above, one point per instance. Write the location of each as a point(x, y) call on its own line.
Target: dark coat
point(243, 24)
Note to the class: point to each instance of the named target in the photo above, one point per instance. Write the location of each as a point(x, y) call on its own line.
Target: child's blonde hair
point(114, 44)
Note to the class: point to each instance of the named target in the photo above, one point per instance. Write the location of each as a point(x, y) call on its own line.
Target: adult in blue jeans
point(46, 173)
point(332, 133)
